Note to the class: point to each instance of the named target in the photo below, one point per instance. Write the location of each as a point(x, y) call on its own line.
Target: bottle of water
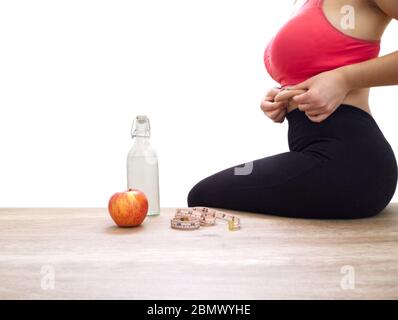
point(142, 164)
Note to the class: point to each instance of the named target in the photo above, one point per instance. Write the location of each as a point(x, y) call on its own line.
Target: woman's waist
point(358, 98)
point(346, 123)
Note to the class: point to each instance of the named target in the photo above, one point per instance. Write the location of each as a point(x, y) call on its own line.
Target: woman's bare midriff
point(358, 98)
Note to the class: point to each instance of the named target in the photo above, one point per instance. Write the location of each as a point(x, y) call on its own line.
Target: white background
point(74, 74)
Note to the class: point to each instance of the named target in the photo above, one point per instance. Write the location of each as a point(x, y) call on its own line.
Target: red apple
point(128, 208)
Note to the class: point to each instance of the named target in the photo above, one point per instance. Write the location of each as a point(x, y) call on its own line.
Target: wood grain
point(269, 258)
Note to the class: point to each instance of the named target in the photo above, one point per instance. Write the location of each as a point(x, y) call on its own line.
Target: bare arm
point(381, 71)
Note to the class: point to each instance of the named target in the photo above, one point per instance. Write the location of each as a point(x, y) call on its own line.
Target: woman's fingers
point(275, 110)
point(274, 114)
point(277, 115)
point(304, 107)
point(271, 94)
point(267, 106)
point(311, 110)
point(281, 117)
point(287, 94)
point(303, 98)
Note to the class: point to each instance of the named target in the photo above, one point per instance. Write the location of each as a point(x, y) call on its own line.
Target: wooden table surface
point(73, 253)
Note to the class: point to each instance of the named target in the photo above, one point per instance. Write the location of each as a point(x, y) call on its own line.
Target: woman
point(340, 166)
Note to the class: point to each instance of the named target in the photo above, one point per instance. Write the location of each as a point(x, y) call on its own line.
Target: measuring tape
point(193, 218)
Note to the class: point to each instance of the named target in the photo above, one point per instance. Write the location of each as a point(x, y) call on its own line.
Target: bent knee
point(195, 196)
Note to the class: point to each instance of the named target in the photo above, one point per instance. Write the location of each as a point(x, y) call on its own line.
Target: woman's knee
point(195, 196)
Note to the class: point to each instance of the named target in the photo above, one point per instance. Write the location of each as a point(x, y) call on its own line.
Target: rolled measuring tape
point(193, 218)
point(185, 222)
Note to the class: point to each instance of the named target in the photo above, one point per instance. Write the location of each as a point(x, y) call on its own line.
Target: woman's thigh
point(300, 184)
point(273, 185)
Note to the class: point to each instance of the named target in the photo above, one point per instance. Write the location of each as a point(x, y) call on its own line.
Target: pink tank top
point(309, 44)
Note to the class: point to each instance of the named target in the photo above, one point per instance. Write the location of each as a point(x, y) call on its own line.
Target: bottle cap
point(141, 118)
point(141, 127)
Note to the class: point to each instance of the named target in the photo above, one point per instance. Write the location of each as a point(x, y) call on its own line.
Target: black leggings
point(341, 168)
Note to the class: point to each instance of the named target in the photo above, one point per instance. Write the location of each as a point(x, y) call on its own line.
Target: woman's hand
point(274, 110)
point(324, 93)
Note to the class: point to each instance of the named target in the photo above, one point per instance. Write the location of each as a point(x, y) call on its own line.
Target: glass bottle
point(142, 164)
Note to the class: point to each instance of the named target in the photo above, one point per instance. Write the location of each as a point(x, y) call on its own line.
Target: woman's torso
point(367, 28)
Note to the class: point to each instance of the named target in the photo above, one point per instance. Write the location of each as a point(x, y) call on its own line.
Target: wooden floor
point(79, 254)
